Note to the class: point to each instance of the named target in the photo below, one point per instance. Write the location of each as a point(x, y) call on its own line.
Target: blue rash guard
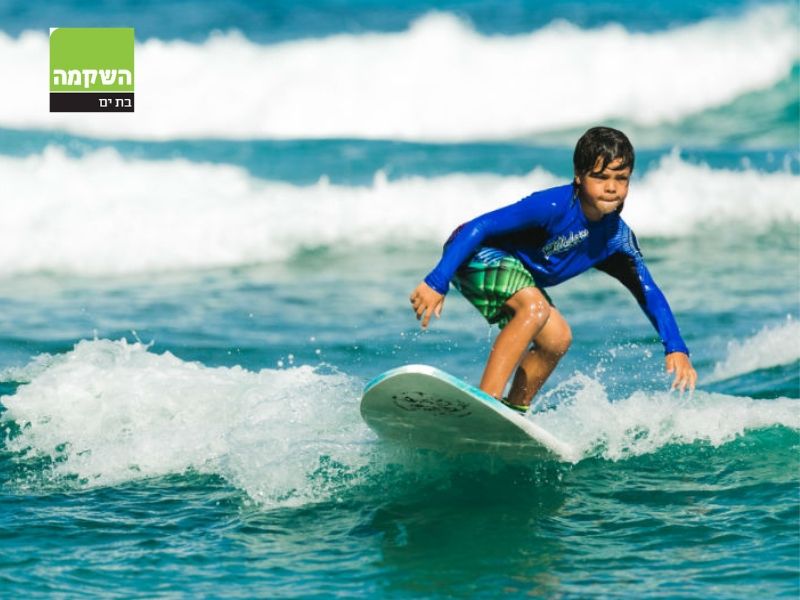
point(550, 235)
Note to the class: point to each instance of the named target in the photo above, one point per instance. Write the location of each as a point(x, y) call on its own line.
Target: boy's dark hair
point(605, 142)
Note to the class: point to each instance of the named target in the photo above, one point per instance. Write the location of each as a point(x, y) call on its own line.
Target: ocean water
point(193, 296)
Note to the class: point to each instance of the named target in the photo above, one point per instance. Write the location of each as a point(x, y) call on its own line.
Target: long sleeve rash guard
point(555, 241)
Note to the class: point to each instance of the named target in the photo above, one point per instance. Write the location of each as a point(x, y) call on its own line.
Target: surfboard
point(424, 407)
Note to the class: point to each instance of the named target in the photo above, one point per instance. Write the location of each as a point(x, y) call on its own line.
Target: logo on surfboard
point(419, 401)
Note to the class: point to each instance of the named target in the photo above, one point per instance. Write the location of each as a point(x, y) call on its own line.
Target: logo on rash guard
point(564, 242)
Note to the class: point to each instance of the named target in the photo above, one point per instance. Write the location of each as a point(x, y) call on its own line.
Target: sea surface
point(193, 296)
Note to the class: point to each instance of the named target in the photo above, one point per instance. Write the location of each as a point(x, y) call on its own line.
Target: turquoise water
point(192, 298)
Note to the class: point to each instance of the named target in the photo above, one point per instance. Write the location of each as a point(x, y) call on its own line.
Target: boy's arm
point(634, 275)
point(529, 212)
point(627, 265)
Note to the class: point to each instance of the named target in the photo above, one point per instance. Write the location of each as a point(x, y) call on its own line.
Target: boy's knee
point(563, 341)
point(558, 339)
point(531, 303)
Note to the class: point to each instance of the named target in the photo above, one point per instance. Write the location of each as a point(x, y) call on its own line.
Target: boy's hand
point(685, 375)
point(426, 302)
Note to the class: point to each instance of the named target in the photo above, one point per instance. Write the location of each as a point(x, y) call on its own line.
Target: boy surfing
point(503, 260)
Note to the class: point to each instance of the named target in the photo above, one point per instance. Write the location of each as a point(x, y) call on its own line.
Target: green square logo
point(91, 69)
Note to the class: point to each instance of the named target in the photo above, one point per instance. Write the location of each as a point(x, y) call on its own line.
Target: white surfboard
point(424, 407)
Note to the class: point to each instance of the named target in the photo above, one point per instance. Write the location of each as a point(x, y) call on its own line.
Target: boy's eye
point(604, 176)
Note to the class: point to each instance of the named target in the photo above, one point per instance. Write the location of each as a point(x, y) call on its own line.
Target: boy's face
point(603, 192)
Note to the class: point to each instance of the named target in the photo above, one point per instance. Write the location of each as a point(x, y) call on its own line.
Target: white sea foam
point(678, 197)
point(112, 411)
point(439, 80)
point(772, 346)
point(647, 421)
point(103, 214)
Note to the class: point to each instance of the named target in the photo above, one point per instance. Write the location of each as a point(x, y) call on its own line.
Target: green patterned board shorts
point(489, 279)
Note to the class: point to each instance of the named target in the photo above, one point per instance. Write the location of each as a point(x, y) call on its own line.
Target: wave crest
point(771, 347)
point(108, 412)
point(439, 80)
point(645, 422)
point(101, 214)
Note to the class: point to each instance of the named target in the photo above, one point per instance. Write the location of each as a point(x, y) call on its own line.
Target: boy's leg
point(531, 312)
point(549, 345)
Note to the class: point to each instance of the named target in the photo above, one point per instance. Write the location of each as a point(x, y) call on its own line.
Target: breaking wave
point(438, 80)
point(101, 214)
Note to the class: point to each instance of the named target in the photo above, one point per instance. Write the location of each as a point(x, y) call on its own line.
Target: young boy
point(502, 261)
